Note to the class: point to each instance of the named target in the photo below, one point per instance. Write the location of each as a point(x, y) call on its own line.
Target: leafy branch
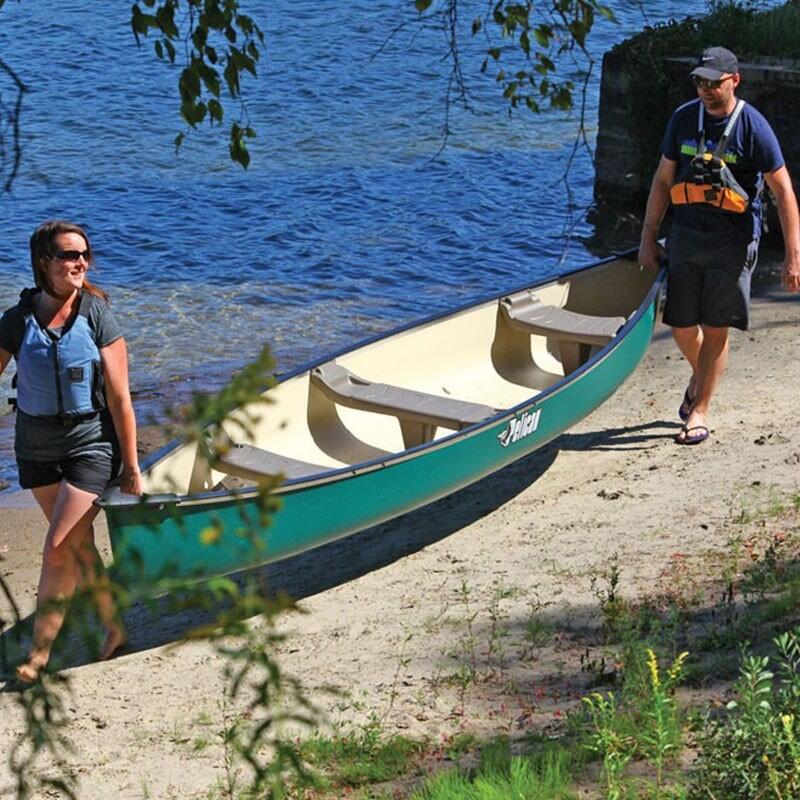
point(532, 38)
point(220, 44)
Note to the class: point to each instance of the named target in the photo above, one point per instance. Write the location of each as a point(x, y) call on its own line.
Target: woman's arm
point(118, 394)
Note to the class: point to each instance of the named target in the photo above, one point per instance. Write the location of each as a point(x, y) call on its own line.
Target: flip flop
point(688, 439)
point(686, 405)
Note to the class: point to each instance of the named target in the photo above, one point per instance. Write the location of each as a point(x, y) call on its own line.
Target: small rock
point(609, 495)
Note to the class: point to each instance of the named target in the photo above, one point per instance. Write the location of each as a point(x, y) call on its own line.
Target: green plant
point(614, 608)
point(545, 775)
point(605, 740)
point(753, 750)
point(361, 756)
point(662, 737)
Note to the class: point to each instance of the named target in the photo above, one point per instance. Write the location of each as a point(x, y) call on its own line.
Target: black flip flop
point(693, 439)
point(686, 405)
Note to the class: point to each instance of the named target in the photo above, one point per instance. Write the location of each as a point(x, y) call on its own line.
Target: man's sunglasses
point(72, 255)
point(703, 83)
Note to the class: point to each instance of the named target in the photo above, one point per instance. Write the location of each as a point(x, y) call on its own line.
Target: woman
point(75, 425)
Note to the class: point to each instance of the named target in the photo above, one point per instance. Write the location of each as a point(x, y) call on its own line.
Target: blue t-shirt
point(752, 150)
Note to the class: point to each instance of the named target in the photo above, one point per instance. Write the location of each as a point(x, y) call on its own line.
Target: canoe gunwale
point(118, 500)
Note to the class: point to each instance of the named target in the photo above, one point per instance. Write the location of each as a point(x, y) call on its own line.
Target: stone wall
point(625, 158)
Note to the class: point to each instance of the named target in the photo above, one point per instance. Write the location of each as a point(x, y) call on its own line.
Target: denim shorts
point(83, 452)
point(708, 281)
point(91, 471)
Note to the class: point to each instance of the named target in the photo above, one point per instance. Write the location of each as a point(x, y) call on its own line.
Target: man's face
point(717, 96)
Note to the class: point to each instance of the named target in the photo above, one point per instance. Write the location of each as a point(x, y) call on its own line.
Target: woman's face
point(67, 269)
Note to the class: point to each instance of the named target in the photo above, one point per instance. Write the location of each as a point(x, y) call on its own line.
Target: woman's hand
point(130, 481)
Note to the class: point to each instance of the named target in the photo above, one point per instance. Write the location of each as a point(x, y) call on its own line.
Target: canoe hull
point(221, 534)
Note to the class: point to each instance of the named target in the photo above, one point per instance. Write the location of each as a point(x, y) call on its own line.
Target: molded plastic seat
point(419, 413)
point(526, 311)
point(251, 462)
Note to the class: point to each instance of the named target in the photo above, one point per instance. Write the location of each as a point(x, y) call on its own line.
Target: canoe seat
point(418, 413)
point(251, 462)
point(578, 335)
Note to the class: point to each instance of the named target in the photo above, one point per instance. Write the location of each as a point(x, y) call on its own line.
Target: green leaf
point(159, 49)
point(494, 52)
point(607, 13)
point(215, 110)
point(189, 82)
point(193, 112)
point(231, 76)
point(179, 140)
point(477, 24)
point(543, 34)
point(238, 147)
point(422, 5)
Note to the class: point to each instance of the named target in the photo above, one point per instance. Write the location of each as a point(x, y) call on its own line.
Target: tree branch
point(10, 118)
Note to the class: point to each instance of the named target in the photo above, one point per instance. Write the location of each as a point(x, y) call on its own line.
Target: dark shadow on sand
point(156, 624)
point(317, 570)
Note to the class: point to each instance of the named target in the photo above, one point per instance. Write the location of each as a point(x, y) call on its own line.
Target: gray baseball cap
point(716, 62)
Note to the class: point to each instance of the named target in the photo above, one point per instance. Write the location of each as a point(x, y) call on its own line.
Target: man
point(715, 157)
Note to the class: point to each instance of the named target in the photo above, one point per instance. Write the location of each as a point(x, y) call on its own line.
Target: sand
point(470, 615)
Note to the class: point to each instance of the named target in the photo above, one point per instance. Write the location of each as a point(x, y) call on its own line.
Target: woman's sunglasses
point(72, 255)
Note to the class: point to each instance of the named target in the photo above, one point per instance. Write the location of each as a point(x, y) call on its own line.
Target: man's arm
point(780, 184)
point(657, 205)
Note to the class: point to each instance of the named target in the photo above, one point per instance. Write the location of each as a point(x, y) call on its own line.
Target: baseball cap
point(716, 62)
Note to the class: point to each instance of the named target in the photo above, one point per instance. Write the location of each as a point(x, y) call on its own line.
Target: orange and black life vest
point(708, 179)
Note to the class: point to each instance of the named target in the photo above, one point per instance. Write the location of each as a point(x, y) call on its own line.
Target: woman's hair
point(43, 248)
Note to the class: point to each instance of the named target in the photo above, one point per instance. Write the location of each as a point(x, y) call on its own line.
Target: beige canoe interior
point(418, 385)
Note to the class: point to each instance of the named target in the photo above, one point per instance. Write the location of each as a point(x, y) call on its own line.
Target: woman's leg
point(93, 578)
point(70, 512)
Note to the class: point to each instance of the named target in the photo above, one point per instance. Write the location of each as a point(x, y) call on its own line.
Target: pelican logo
point(520, 427)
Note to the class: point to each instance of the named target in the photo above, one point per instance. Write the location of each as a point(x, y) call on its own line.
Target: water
point(351, 217)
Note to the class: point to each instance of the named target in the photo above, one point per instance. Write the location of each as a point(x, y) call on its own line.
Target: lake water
point(351, 218)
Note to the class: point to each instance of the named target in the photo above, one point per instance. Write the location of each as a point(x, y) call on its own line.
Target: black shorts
point(91, 470)
point(708, 282)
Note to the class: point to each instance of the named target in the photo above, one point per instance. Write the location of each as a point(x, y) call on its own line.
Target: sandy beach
point(396, 611)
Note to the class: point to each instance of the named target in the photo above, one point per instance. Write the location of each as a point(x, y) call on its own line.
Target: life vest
point(59, 376)
point(708, 179)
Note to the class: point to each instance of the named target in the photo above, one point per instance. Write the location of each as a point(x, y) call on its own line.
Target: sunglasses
point(704, 83)
point(72, 255)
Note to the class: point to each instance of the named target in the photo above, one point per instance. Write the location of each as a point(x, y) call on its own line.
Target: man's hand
point(650, 254)
point(791, 274)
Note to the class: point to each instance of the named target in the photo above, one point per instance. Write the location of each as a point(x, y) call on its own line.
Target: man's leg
point(706, 350)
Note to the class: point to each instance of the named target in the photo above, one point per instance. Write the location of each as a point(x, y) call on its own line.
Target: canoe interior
point(475, 355)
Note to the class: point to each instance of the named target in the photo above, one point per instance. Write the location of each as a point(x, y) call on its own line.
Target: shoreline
point(391, 609)
point(152, 404)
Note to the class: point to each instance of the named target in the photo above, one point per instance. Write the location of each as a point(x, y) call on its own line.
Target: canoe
point(370, 432)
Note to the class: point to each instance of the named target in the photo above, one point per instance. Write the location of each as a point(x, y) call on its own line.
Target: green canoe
point(394, 423)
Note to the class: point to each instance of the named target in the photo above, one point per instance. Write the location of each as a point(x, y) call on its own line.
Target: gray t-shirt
point(44, 438)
